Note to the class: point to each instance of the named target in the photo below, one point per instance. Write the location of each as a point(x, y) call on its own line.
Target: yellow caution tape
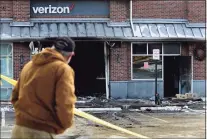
point(9, 80)
point(102, 122)
point(88, 116)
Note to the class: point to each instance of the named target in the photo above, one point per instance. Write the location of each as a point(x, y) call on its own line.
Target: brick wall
point(159, 9)
point(21, 10)
point(196, 11)
point(120, 63)
point(18, 50)
point(6, 9)
point(184, 49)
point(199, 67)
point(119, 10)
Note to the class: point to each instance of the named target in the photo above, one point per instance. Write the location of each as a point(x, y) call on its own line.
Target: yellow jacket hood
point(46, 56)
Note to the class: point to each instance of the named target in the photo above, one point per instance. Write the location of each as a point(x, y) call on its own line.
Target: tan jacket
point(44, 97)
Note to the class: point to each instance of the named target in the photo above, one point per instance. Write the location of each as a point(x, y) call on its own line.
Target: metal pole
point(156, 82)
point(3, 121)
point(106, 70)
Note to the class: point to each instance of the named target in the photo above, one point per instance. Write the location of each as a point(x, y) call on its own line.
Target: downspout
point(131, 21)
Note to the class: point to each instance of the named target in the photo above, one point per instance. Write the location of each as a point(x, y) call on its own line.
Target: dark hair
point(64, 44)
point(37, 44)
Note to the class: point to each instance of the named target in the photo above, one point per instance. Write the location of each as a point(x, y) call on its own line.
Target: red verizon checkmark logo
point(71, 7)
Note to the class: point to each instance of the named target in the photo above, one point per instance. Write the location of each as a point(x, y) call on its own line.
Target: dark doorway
point(89, 66)
point(185, 74)
point(177, 75)
point(171, 76)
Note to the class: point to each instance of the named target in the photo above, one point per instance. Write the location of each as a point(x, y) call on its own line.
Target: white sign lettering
point(51, 10)
point(156, 54)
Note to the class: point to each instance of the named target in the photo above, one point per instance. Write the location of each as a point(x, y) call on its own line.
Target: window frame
point(11, 56)
point(12, 60)
point(162, 55)
point(146, 48)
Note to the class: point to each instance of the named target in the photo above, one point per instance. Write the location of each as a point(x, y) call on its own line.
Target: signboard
point(146, 65)
point(156, 54)
point(61, 8)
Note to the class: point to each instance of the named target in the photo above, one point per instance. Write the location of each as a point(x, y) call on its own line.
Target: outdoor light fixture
point(199, 52)
point(21, 59)
point(114, 44)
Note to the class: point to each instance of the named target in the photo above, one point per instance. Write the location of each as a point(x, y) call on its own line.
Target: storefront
point(177, 67)
point(113, 59)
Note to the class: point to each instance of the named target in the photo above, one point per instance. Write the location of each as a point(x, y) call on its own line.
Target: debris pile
point(101, 104)
point(187, 96)
point(7, 108)
point(167, 108)
point(85, 99)
point(187, 109)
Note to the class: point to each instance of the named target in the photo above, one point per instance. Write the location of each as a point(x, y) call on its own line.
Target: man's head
point(65, 46)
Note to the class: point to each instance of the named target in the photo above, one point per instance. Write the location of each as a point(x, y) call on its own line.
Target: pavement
point(189, 122)
point(151, 124)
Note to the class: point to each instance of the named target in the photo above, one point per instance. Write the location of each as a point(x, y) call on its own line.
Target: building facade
point(115, 41)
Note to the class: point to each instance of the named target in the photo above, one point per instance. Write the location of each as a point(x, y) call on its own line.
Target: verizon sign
point(52, 10)
point(57, 8)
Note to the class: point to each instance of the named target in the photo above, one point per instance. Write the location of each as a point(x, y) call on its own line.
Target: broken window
point(143, 63)
point(144, 67)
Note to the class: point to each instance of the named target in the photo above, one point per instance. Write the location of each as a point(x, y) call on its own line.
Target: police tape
point(88, 116)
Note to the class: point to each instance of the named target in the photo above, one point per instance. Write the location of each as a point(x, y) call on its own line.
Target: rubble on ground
point(187, 96)
point(167, 108)
point(85, 99)
point(118, 137)
point(100, 109)
point(169, 104)
point(7, 108)
point(187, 109)
point(203, 99)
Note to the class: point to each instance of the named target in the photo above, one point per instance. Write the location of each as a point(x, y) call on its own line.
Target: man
point(43, 97)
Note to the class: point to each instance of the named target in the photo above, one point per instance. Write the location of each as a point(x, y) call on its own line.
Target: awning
point(101, 30)
point(176, 30)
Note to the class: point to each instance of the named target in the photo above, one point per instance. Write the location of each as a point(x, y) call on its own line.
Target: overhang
point(101, 30)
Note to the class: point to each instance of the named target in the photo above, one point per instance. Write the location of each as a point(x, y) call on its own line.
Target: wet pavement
point(152, 125)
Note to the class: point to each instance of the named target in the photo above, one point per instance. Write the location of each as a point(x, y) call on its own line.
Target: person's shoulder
point(64, 67)
point(67, 67)
point(27, 65)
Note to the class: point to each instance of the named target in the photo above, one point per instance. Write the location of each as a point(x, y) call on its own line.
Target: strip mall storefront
point(113, 59)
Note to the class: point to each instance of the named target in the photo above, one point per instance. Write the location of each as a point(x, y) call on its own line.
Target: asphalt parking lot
point(152, 125)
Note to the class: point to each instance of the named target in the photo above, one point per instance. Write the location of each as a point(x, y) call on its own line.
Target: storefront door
point(185, 70)
point(177, 75)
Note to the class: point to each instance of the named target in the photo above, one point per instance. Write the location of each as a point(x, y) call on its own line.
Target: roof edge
point(159, 20)
point(101, 20)
point(202, 25)
point(168, 21)
point(55, 20)
point(2, 20)
point(132, 39)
